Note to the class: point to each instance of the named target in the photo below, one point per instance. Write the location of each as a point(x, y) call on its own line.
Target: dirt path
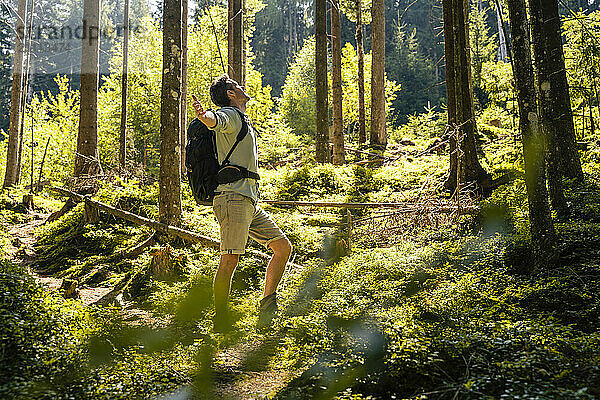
point(22, 251)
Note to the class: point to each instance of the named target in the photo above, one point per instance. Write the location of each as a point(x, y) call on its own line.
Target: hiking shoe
point(267, 311)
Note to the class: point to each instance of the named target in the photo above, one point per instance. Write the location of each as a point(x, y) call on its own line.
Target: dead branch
point(157, 226)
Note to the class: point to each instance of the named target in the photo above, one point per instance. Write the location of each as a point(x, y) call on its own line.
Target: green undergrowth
point(450, 312)
point(54, 348)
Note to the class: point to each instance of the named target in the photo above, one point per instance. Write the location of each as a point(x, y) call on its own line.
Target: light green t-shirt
point(245, 154)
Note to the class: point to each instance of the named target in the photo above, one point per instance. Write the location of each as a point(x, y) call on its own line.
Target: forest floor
point(234, 377)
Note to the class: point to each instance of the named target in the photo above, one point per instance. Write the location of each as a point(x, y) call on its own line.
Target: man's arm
point(207, 118)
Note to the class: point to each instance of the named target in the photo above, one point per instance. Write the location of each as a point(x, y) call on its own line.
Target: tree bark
point(169, 201)
point(321, 98)
point(336, 83)
point(378, 131)
point(123, 135)
point(87, 159)
point(184, 82)
point(553, 86)
point(360, 51)
point(545, 84)
point(543, 236)
point(449, 54)
point(235, 41)
point(10, 175)
point(466, 168)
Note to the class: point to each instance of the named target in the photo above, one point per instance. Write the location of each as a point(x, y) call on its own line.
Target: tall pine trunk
point(235, 41)
point(123, 132)
point(554, 87)
point(465, 168)
point(378, 131)
point(11, 175)
point(184, 81)
point(87, 159)
point(543, 236)
point(169, 199)
point(336, 83)
point(360, 52)
point(322, 119)
point(449, 54)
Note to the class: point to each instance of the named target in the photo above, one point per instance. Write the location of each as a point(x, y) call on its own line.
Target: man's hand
point(207, 119)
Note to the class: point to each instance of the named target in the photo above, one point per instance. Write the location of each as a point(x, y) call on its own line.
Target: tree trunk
point(553, 86)
point(336, 83)
point(123, 136)
point(184, 81)
point(235, 41)
point(502, 48)
point(87, 159)
point(11, 176)
point(169, 202)
point(466, 167)
point(378, 132)
point(362, 124)
point(544, 89)
point(321, 100)
point(449, 54)
point(543, 236)
point(244, 44)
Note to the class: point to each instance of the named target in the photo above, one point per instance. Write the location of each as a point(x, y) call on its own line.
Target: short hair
point(218, 91)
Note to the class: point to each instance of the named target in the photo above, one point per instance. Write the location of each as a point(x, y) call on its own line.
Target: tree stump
point(165, 264)
point(69, 289)
point(27, 201)
point(91, 214)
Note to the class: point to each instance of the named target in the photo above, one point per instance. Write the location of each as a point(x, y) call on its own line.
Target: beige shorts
point(239, 218)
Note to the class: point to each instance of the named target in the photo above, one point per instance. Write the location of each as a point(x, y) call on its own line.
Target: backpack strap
point(241, 135)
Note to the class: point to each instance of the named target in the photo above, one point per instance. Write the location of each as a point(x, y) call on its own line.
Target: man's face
point(239, 92)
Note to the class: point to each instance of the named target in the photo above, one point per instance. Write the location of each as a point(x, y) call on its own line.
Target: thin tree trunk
point(244, 44)
point(470, 168)
point(336, 83)
point(321, 100)
point(11, 176)
point(449, 54)
point(360, 51)
point(543, 236)
point(544, 77)
point(169, 201)
point(235, 41)
point(123, 136)
point(25, 93)
point(378, 131)
point(502, 48)
point(184, 81)
point(87, 159)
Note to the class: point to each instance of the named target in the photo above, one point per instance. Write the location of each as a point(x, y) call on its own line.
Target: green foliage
point(297, 102)
point(496, 81)
point(55, 119)
point(484, 45)
point(416, 72)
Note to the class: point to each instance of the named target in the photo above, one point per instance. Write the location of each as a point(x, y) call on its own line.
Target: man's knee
point(281, 246)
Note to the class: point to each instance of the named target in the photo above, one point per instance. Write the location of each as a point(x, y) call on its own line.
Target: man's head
point(225, 92)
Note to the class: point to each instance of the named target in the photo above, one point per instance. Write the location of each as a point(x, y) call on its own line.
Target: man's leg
point(282, 249)
point(222, 282)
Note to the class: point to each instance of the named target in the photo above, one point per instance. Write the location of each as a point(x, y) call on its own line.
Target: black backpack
point(203, 170)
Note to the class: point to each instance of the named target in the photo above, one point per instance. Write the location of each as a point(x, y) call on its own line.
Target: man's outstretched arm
point(207, 118)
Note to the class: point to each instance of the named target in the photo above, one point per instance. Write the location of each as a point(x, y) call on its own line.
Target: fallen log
point(403, 206)
point(157, 226)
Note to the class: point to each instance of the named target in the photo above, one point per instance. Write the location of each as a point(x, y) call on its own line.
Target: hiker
point(236, 204)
